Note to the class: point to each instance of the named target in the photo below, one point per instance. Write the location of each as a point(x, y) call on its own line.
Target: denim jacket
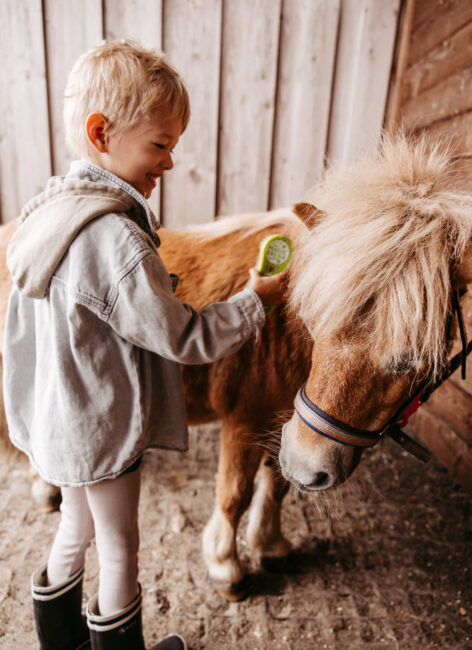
point(94, 335)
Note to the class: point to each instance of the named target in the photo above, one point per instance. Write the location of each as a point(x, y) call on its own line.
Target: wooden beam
point(394, 100)
point(448, 99)
point(446, 445)
point(444, 18)
point(447, 58)
point(453, 406)
point(457, 130)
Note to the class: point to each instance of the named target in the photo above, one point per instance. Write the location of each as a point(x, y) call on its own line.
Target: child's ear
point(96, 131)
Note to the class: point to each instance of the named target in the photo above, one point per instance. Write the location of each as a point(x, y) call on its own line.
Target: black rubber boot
point(57, 612)
point(123, 630)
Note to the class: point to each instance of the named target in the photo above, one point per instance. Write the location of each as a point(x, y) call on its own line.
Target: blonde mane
point(376, 268)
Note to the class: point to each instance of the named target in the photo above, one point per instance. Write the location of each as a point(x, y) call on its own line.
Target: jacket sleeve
point(147, 314)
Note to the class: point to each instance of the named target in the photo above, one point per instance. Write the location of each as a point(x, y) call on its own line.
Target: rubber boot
point(57, 612)
point(123, 630)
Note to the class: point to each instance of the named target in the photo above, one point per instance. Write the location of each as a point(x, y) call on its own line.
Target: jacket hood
point(49, 223)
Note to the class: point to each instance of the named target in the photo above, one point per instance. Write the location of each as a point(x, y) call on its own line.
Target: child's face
point(143, 152)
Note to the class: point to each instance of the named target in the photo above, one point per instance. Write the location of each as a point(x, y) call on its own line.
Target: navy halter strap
point(328, 426)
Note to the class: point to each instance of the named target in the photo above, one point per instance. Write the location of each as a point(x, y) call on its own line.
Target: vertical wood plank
point(227, 164)
point(307, 55)
point(140, 20)
point(189, 190)
point(248, 77)
point(136, 19)
point(24, 132)
point(366, 38)
point(71, 29)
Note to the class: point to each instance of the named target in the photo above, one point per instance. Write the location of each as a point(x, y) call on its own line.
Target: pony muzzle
point(314, 463)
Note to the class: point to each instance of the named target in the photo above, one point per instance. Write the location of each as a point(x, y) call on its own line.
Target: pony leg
point(47, 497)
point(239, 459)
point(263, 532)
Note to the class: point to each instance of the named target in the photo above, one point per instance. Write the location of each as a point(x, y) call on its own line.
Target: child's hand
point(270, 289)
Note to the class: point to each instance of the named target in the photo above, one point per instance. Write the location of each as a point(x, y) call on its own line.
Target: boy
point(94, 338)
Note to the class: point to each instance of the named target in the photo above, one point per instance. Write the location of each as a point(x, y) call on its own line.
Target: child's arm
point(146, 313)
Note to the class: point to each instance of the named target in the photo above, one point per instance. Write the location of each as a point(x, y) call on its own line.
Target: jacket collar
point(85, 170)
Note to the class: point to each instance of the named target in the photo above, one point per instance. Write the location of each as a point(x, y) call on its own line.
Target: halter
point(328, 426)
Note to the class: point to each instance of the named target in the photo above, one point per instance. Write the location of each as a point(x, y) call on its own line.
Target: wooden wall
point(435, 90)
point(432, 93)
point(275, 85)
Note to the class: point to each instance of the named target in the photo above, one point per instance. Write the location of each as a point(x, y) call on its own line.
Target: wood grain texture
point(248, 77)
point(400, 62)
point(440, 20)
point(422, 12)
point(260, 75)
point(447, 99)
point(70, 30)
point(454, 406)
point(25, 161)
point(135, 19)
point(139, 20)
point(307, 55)
point(189, 191)
point(451, 55)
point(457, 130)
point(453, 452)
point(364, 58)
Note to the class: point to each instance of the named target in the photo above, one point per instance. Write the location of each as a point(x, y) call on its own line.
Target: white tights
point(109, 510)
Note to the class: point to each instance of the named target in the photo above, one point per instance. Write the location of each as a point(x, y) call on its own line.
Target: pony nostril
point(322, 480)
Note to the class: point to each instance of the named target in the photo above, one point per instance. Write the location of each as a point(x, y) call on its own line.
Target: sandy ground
point(383, 563)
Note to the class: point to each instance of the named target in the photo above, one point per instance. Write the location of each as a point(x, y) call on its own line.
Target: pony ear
point(463, 272)
point(309, 214)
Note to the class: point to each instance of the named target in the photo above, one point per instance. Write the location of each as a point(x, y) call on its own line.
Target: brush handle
point(275, 255)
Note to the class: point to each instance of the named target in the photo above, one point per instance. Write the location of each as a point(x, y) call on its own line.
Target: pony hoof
point(50, 506)
point(235, 591)
point(47, 498)
point(275, 564)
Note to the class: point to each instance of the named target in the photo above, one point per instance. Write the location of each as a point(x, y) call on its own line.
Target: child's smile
point(142, 153)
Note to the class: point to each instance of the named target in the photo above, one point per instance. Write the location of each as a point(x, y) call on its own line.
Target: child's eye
point(162, 146)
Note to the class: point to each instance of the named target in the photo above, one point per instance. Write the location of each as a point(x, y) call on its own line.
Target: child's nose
point(168, 162)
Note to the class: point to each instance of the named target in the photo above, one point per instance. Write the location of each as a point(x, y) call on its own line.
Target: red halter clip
point(410, 410)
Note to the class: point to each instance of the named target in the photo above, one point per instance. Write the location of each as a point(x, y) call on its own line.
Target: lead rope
point(457, 308)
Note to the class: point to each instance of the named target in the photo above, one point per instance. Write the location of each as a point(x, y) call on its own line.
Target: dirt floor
point(383, 563)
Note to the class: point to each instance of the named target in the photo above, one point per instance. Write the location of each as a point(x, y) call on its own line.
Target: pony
point(379, 247)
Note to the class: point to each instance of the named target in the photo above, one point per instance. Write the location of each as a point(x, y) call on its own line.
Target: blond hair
point(376, 267)
point(124, 82)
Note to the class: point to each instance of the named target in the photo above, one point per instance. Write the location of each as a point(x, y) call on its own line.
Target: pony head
point(387, 241)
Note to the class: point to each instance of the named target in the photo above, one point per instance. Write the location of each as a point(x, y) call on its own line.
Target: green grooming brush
point(275, 254)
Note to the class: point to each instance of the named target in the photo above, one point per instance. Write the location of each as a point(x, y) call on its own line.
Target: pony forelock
point(376, 269)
